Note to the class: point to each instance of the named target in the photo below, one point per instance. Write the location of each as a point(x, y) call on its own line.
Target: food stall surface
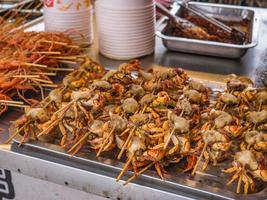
point(97, 181)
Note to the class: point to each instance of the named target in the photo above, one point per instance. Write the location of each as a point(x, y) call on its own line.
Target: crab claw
point(191, 162)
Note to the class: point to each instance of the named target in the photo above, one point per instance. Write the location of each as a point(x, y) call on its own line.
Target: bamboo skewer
point(48, 52)
point(67, 62)
point(139, 173)
point(35, 65)
point(12, 102)
point(43, 81)
point(16, 133)
point(126, 142)
point(49, 85)
point(125, 167)
point(79, 142)
point(105, 141)
point(199, 159)
point(64, 57)
point(168, 139)
point(54, 42)
point(26, 76)
point(60, 69)
point(61, 43)
point(45, 73)
point(15, 105)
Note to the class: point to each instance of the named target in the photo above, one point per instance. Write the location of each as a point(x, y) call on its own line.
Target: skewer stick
point(126, 143)
point(76, 150)
point(16, 133)
point(260, 107)
point(12, 102)
point(125, 131)
point(181, 114)
point(224, 107)
point(54, 42)
point(61, 43)
point(35, 65)
point(50, 101)
point(67, 62)
point(43, 81)
point(139, 173)
point(168, 139)
point(44, 73)
point(51, 126)
point(14, 105)
point(47, 85)
point(26, 76)
point(124, 169)
point(64, 109)
point(60, 69)
point(39, 59)
point(104, 142)
point(64, 57)
point(48, 52)
point(199, 159)
point(144, 109)
point(79, 142)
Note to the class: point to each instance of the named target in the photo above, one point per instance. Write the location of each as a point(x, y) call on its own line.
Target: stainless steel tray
point(224, 12)
point(210, 184)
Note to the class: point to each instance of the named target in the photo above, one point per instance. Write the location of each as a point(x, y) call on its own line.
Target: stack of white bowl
point(74, 17)
point(126, 28)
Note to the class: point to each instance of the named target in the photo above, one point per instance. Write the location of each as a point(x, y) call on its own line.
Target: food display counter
point(26, 169)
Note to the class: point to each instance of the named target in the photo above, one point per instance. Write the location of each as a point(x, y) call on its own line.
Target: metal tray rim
point(225, 195)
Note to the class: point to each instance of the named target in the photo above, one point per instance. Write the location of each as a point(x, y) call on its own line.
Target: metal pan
point(210, 48)
point(205, 185)
point(210, 184)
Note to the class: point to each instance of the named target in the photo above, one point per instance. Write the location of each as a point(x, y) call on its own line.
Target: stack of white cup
point(74, 17)
point(126, 28)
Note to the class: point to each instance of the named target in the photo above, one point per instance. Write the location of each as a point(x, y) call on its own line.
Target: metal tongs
point(178, 20)
point(233, 32)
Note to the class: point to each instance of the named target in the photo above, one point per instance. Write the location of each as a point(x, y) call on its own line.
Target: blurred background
point(255, 3)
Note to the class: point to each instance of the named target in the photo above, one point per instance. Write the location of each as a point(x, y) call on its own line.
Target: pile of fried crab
point(155, 118)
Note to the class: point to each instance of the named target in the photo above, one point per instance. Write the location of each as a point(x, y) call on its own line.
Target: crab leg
point(239, 183)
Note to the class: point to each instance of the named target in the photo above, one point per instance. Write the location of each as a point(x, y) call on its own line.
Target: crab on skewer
point(179, 125)
point(134, 151)
point(215, 147)
point(246, 168)
point(118, 125)
point(27, 123)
